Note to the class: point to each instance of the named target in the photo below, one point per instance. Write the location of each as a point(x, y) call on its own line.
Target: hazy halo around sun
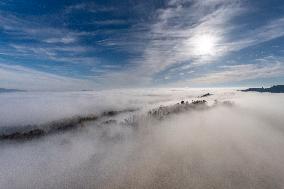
point(204, 45)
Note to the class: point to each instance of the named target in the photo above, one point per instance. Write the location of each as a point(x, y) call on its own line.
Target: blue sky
point(72, 45)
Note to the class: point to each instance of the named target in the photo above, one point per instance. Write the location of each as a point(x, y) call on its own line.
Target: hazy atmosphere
point(141, 94)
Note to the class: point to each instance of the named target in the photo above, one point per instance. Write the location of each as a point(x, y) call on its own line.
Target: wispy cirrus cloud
point(179, 25)
point(175, 32)
point(263, 68)
point(88, 6)
point(170, 39)
point(65, 40)
point(72, 54)
point(20, 28)
point(273, 29)
point(19, 77)
point(44, 42)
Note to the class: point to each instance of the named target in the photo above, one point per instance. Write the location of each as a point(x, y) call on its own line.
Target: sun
point(204, 45)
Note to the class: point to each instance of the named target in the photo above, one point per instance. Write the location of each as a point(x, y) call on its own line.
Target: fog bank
point(237, 146)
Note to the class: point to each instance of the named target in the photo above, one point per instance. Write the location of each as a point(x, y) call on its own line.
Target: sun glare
point(204, 45)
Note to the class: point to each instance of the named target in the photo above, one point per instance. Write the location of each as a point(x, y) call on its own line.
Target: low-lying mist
point(239, 145)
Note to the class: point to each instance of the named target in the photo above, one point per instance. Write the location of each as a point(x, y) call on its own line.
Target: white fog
point(236, 142)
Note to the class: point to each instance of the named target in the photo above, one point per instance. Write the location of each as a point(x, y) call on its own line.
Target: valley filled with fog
point(142, 138)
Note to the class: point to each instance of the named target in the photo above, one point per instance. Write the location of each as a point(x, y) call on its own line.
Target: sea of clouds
point(236, 146)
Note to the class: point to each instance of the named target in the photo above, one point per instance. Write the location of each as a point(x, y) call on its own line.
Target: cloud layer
point(200, 149)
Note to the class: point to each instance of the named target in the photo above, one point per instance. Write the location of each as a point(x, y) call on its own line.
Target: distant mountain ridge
point(273, 89)
point(4, 90)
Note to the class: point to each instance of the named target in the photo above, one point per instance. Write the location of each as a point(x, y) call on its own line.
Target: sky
point(76, 45)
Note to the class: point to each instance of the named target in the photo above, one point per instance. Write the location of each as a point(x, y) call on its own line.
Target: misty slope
point(226, 146)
